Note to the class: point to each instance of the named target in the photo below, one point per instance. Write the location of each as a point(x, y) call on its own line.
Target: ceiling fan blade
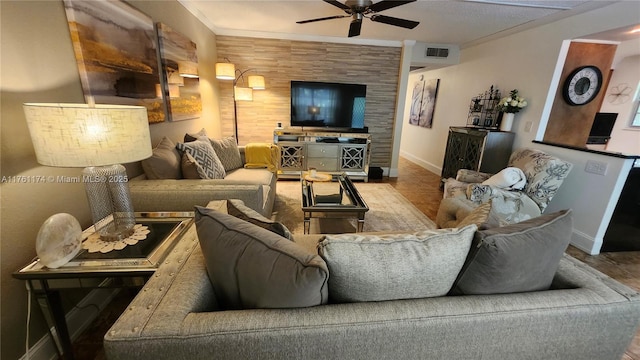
point(322, 19)
point(408, 24)
point(338, 4)
point(387, 4)
point(355, 27)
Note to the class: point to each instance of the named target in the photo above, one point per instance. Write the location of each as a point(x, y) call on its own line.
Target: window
point(635, 119)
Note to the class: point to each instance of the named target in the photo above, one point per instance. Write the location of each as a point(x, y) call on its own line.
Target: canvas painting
point(181, 86)
point(116, 50)
point(423, 102)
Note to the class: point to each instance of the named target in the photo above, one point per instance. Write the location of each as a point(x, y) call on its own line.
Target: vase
point(507, 121)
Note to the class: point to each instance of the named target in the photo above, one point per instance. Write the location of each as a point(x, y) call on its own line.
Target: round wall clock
point(582, 85)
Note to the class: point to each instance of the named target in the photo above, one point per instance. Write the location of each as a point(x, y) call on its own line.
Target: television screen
point(322, 104)
point(603, 124)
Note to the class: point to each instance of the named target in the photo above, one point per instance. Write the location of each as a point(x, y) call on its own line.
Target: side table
point(129, 267)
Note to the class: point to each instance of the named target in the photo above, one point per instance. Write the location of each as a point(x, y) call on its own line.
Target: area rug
point(388, 211)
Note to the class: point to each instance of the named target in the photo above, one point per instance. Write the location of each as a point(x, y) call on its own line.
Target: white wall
point(526, 61)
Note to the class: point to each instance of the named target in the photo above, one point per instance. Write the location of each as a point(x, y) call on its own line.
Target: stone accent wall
point(281, 61)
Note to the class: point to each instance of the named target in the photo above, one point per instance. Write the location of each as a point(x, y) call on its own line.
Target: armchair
point(544, 174)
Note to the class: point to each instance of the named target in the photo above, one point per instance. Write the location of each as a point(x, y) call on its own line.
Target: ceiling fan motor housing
point(358, 6)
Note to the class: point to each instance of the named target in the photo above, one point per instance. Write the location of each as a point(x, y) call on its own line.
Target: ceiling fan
point(359, 9)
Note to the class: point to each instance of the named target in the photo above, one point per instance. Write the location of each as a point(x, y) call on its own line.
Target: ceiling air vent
point(437, 52)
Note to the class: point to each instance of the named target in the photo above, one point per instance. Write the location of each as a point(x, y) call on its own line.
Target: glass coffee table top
point(337, 197)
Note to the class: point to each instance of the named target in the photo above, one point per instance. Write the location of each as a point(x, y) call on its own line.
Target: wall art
point(180, 85)
point(116, 50)
point(423, 102)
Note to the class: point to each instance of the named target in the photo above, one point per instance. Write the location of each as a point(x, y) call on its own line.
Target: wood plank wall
point(281, 61)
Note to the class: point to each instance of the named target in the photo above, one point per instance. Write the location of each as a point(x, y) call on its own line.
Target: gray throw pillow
point(250, 267)
point(394, 266)
point(516, 258)
point(238, 209)
point(202, 151)
point(228, 153)
point(164, 163)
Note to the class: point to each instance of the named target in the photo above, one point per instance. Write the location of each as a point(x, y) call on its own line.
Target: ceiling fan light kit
point(360, 9)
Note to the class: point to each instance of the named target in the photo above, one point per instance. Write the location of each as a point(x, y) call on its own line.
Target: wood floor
point(421, 187)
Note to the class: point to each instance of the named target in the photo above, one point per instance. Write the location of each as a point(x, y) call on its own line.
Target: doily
point(93, 243)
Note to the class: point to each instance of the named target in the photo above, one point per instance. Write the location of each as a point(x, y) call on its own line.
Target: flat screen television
point(328, 105)
point(603, 124)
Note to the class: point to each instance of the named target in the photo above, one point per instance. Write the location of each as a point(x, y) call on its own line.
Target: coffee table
point(331, 196)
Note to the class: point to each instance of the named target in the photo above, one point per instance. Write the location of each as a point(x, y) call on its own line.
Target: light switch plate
point(596, 167)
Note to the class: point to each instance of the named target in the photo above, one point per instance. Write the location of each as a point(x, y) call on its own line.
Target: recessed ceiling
point(458, 22)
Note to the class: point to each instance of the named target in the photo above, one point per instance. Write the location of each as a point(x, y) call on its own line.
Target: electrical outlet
point(527, 126)
point(596, 167)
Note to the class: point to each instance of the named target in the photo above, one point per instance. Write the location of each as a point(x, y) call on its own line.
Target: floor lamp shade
point(225, 71)
point(256, 82)
point(99, 138)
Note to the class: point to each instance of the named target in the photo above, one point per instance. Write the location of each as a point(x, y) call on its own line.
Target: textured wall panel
point(281, 61)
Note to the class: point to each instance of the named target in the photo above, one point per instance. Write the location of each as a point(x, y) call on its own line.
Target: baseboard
point(585, 242)
point(420, 162)
point(78, 319)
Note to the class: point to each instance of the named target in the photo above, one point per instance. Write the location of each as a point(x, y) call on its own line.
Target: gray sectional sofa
point(255, 187)
point(584, 315)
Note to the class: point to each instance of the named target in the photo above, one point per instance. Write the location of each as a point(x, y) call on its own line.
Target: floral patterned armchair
point(544, 174)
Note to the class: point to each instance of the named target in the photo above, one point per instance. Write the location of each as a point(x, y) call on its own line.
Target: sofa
point(177, 315)
point(165, 185)
point(519, 192)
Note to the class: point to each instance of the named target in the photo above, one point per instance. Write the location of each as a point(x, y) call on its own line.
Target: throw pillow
point(238, 209)
point(195, 136)
point(202, 152)
point(516, 258)
point(250, 267)
point(190, 167)
point(398, 266)
point(164, 163)
point(483, 216)
point(228, 153)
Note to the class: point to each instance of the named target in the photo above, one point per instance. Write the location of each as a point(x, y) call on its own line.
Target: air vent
point(437, 52)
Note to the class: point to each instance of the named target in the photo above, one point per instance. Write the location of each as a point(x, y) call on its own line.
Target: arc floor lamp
point(227, 71)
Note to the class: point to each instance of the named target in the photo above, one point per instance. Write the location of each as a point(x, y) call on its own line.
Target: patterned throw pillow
point(203, 153)
point(483, 217)
point(228, 153)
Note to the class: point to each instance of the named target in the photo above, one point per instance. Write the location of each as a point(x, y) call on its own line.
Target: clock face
point(582, 85)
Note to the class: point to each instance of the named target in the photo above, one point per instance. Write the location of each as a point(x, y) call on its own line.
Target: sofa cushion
point(394, 266)
point(228, 152)
point(250, 267)
point(164, 163)
point(238, 209)
point(205, 156)
point(516, 258)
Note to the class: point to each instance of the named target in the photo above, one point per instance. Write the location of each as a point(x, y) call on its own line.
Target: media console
point(330, 152)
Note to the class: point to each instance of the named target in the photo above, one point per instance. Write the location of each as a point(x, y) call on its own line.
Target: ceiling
point(458, 22)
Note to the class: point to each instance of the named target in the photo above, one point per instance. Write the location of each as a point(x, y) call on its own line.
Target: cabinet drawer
point(322, 164)
point(322, 151)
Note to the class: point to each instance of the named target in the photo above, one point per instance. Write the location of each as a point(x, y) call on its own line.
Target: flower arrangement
point(512, 103)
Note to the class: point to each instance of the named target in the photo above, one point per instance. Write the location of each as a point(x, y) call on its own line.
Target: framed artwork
point(116, 50)
point(423, 102)
point(180, 85)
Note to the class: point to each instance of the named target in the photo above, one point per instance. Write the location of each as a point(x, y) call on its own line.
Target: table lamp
point(98, 138)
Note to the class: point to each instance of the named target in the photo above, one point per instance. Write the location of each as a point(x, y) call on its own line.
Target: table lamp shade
point(98, 138)
point(76, 135)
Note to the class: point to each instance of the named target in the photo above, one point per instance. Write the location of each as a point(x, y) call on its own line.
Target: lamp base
point(110, 201)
